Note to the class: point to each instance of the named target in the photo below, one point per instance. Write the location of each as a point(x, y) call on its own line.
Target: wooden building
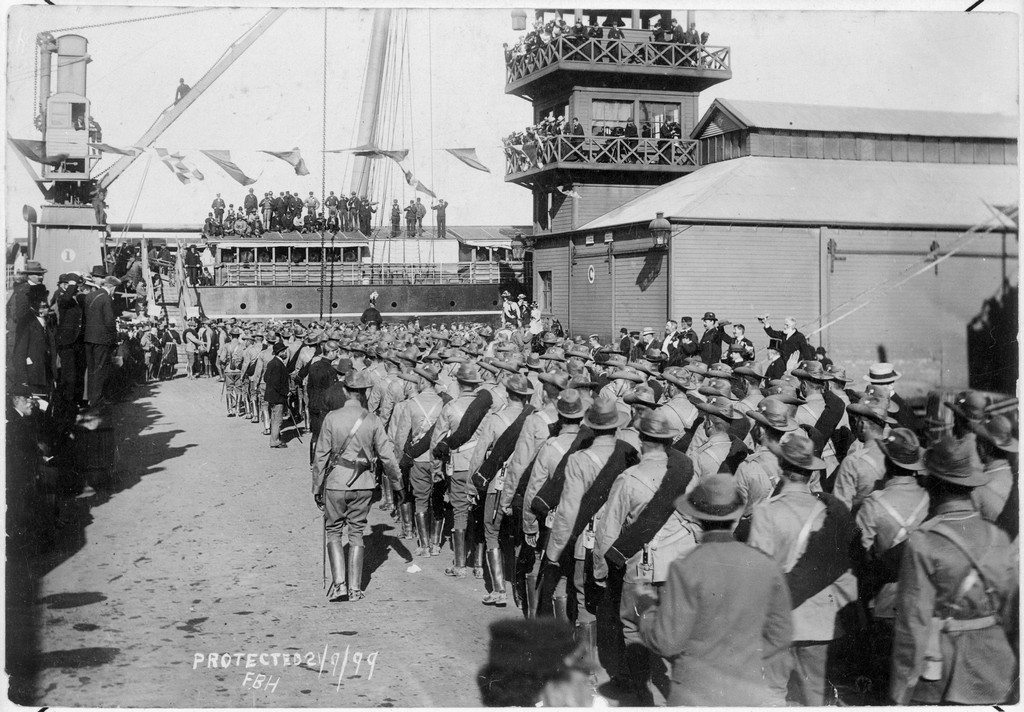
point(605, 84)
point(893, 222)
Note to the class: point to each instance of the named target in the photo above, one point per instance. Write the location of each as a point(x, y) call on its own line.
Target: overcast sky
point(452, 93)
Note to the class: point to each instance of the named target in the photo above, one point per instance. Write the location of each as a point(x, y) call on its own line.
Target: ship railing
point(309, 274)
point(621, 150)
point(595, 52)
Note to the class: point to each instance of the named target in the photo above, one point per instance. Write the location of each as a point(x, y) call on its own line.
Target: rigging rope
point(136, 19)
point(972, 235)
point(138, 194)
point(323, 168)
point(430, 118)
point(926, 260)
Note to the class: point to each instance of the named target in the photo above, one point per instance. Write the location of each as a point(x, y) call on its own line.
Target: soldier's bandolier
point(351, 439)
point(453, 462)
point(411, 426)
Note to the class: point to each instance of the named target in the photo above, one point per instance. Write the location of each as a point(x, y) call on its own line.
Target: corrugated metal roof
point(489, 235)
point(860, 119)
point(814, 191)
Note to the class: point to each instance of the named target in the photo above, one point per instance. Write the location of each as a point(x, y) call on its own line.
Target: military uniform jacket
point(880, 530)
point(412, 418)
point(681, 413)
point(391, 390)
point(808, 414)
point(447, 422)
point(724, 611)
point(777, 528)
point(499, 396)
point(630, 493)
point(858, 473)
point(581, 469)
point(991, 497)
point(548, 457)
point(757, 477)
point(978, 666)
point(709, 456)
point(491, 428)
point(536, 429)
point(342, 458)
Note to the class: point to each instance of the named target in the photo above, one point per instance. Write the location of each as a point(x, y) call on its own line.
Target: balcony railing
point(598, 52)
point(600, 150)
point(287, 274)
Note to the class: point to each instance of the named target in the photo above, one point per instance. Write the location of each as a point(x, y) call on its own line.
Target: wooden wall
point(868, 147)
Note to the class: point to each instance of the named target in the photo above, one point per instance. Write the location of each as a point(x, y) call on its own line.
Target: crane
point(171, 113)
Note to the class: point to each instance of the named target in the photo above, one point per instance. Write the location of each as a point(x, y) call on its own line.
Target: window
point(545, 291)
point(559, 109)
point(657, 113)
point(608, 115)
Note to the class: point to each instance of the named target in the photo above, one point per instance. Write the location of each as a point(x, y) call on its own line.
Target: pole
point(371, 97)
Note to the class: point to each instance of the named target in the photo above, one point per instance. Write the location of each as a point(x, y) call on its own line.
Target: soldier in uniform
point(539, 426)
point(493, 426)
point(233, 356)
point(996, 445)
point(865, 466)
point(411, 423)
point(604, 418)
point(455, 466)
point(783, 528)
point(719, 414)
point(351, 439)
point(570, 407)
point(758, 475)
point(813, 383)
point(724, 609)
point(647, 570)
point(884, 521)
point(957, 575)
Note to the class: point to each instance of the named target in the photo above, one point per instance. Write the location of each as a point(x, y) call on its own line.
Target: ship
point(454, 276)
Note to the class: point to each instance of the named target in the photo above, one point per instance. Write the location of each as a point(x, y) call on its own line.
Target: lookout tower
point(627, 93)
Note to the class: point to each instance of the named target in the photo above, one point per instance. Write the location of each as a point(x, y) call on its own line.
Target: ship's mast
point(372, 85)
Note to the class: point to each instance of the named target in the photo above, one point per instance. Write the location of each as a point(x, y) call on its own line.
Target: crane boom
point(171, 113)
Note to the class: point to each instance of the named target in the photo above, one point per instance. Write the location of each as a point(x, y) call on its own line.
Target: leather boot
point(422, 535)
point(497, 596)
point(407, 527)
point(436, 533)
point(478, 561)
point(586, 633)
point(560, 604)
point(355, 572)
point(458, 567)
point(531, 596)
point(385, 495)
point(336, 556)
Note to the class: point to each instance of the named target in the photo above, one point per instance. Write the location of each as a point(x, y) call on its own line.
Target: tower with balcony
point(606, 83)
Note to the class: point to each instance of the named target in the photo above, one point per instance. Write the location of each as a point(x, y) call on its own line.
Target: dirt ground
point(196, 582)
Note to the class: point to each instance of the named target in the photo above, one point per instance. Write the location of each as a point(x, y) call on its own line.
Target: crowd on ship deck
point(665, 495)
point(288, 212)
point(664, 31)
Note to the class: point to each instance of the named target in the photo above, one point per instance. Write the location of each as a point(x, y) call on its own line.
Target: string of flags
point(186, 172)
